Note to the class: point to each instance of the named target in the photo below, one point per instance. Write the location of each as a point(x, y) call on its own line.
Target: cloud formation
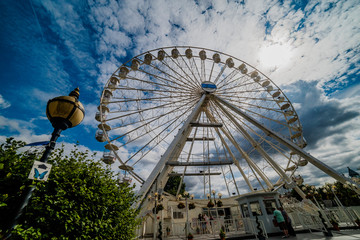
point(313, 48)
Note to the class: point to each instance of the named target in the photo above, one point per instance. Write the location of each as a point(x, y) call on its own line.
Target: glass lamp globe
point(65, 111)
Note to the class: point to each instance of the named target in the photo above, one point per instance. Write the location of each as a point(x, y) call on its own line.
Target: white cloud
point(322, 43)
point(3, 103)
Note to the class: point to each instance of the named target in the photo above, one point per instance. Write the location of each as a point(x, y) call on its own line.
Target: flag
point(37, 144)
point(352, 173)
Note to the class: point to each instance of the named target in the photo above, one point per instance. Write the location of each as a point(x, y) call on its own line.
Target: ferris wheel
point(203, 115)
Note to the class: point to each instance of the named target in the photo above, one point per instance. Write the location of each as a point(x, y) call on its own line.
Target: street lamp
point(158, 198)
point(63, 112)
point(186, 196)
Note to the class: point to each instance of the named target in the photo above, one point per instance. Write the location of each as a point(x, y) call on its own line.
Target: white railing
point(342, 215)
point(251, 227)
point(210, 228)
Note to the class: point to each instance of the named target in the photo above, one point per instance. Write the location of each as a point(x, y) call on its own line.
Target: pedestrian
point(201, 221)
point(206, 220)
point(287, 222)
point(281, 222)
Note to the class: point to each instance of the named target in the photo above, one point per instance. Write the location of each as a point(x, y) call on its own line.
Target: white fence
point(235, 226)
point(210, 228)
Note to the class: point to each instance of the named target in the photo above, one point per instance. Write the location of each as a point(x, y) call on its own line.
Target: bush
point(80, 200)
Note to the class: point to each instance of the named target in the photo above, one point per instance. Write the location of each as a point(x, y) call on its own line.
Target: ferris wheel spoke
point(228, 78)
point(186, 76)
point(232, 90)
point(262, 116)
point(147, 122)
point(169, 79)
point(176, 80)
point(150, 99)
point(163, 138)
point(158, 91)
point(171, 123)
point(237, 82)
point(195, 79)
point(248, 106)
point(140, 111)
point(156, 117)
point(259, 99)
point(212, 69)
point(219, 74)
point(193, 63)
point(157, 85)
point(203, 73)
point(167, 82)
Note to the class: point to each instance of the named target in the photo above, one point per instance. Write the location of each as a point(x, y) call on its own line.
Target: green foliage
point(173, 184)
point(81, 200)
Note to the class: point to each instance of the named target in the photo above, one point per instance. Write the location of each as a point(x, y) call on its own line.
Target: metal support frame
point(161, 171)
point(236, 162)
point(212, 163)
point(262, 152)
point(292, 146)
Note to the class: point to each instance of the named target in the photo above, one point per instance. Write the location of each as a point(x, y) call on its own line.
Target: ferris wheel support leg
point(248, 159)
point(174, 149)
point(317, 163)
point(257, 146)
point(236, 162)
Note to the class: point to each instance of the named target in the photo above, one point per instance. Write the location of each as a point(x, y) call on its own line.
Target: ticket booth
point(260, 205)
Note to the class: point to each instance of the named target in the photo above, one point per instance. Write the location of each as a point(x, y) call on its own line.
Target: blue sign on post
point(40, 171)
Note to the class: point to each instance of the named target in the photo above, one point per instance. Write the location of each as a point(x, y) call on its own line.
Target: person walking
point(287, 222)
point(281, 222)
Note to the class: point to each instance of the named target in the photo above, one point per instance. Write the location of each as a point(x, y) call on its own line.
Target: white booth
point(260, 205)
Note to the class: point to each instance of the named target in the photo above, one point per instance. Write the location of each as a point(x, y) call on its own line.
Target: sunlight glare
point(275, 56)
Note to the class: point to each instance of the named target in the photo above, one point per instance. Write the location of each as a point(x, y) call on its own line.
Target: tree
point(81, 199)
point(347, 196)
point(173, 184)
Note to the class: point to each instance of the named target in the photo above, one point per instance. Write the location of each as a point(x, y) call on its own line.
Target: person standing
point(287, 222)
point(281, 221)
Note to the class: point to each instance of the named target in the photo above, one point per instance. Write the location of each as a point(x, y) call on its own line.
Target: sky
point(310, 49)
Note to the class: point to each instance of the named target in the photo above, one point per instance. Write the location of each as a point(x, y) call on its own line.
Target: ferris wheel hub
point(208, 86)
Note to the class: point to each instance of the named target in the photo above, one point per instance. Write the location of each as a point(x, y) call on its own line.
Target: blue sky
point(309, 48)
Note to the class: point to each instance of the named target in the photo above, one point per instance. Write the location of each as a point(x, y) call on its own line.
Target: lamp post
point(186, 196)
point(158, 198)
point(217, 203)
point(63, 112)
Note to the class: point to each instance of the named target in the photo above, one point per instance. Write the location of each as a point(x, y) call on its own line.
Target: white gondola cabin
point(148, 58)
point(202, 55)
point(123, 72)
point(114, 82)
point(188, 53)
point(107, 96)
point(109, 155)
point(123, 177)
point(102, 113)
point(216, 58)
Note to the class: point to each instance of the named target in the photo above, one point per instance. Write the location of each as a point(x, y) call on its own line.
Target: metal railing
point(251, 227)
point(210, 228)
